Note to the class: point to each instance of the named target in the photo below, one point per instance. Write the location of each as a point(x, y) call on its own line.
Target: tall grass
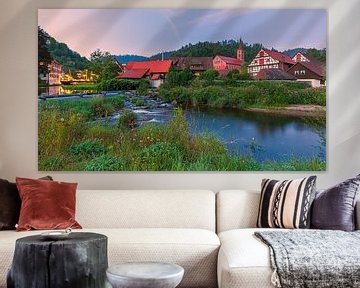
point(246, 94)
point(67, 141)
point(90, 109)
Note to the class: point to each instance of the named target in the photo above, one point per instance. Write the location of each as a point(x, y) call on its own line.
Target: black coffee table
point(78, 261)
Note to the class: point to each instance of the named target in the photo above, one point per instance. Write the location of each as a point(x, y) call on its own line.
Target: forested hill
point(124, 59)
point(211, 49)
point(319, 54)
point(70, 59)
point(229, 47)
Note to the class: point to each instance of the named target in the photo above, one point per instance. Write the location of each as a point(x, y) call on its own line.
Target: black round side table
point(78, 261)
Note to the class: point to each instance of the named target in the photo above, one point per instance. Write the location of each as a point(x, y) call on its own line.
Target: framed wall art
point(182, 89)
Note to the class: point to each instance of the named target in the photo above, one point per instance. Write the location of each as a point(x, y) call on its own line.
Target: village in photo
point(182, 89)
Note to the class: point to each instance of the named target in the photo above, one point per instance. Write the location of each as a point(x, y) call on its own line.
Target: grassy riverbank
point(69, 140)
point(107, 85)
point(244, 94)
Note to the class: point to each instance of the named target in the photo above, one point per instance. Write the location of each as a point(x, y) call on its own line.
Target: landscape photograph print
point(182, 89)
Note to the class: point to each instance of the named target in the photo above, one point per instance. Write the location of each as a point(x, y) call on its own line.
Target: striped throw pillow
point(286, 204)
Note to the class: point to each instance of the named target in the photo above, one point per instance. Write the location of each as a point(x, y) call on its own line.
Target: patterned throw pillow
point(286, 204)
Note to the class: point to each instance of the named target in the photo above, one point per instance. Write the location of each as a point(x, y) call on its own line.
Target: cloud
point(215, 16)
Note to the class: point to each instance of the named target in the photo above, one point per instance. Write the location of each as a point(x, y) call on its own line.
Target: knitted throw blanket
point(313, 258)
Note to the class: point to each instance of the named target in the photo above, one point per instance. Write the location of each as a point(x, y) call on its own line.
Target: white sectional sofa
point(177, 226)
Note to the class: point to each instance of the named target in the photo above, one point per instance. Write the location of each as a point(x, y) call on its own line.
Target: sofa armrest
point(357, 215)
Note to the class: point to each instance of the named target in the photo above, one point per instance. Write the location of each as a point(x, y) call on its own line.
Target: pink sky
point(149, 31)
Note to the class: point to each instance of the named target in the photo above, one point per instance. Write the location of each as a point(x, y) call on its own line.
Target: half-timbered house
point(268, 59)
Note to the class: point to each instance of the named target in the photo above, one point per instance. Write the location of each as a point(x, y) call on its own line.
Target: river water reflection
point(266, 136)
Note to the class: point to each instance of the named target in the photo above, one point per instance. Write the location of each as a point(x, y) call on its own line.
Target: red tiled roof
point(133, 74)
point(230, 60)
point(155, 76)
point(156, 66)
point(273, 74)
point(279, 56)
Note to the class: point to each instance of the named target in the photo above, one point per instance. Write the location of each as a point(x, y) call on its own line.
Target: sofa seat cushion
point(244, 261)
point(194, 249)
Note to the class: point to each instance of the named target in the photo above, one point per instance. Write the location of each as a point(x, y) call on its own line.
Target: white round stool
point(145, 275)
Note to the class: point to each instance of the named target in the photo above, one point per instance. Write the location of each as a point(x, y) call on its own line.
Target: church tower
point(240, 52)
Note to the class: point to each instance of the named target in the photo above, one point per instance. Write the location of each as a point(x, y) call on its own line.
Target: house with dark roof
point(269, 59)
point(308, 69)
point(197, 65)
point(273, 74)
point(155, 71)
point(225, 64)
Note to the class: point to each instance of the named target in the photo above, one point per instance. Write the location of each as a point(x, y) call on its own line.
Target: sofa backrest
point(239, 209)
point(146, 209)
point(236, 209)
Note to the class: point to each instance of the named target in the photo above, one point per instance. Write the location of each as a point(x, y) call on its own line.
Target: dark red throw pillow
point(46, 205)
point(10, 204)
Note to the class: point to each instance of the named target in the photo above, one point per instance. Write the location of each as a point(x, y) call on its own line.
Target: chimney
point(162, 55)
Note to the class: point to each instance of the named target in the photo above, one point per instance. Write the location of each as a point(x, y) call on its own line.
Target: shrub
point(117, 101)
point(138, 102)
point(143, 87)
point(58, 130)
point(117, 84)
point(127, 119)
point(100, 108)
point(209, 75)
point(106, 163)
point(87, 149)
point(179, 78)
point(51, 163)
point(159, 156)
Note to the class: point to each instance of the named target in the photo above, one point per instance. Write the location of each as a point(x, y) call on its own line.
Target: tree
point(318, 54)
point(209, 75)
point(103, 64)
point(44, 56)
point(179, 78)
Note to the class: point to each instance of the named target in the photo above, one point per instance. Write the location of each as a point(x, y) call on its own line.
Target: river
point(266, 136)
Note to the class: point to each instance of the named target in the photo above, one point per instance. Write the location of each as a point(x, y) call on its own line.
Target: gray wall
point(18, 96)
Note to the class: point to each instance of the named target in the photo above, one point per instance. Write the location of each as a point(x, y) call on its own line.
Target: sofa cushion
point(10, 204)
point(334, 208)
point(244, 261)
point(286, 204)
point(46, 204)
point(194, 249)
point(236, 209)
point(153, 209)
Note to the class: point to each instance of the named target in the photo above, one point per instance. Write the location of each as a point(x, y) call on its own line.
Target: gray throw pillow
point(334, 208)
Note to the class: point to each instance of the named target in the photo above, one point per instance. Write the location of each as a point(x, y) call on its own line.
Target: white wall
point(18, 96)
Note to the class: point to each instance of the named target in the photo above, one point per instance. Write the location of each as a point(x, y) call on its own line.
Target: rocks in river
point(148, 109)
